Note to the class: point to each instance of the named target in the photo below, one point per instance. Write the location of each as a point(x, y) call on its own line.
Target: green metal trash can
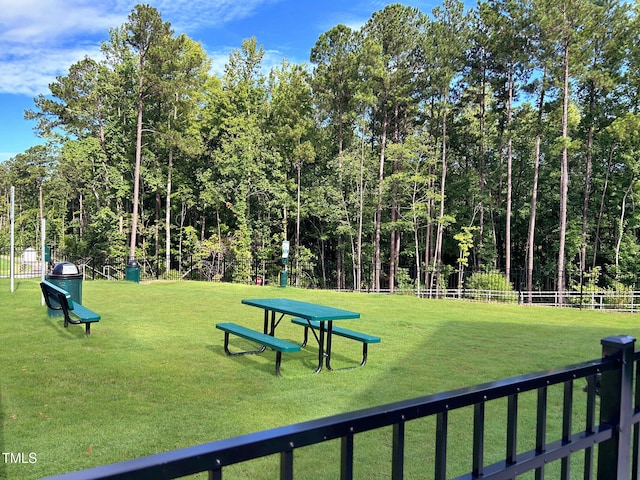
point(284, 278)
point(132, 271)
point(67, 276)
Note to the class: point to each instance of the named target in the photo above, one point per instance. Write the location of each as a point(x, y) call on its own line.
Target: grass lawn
point(153, 376)
point(5, 265)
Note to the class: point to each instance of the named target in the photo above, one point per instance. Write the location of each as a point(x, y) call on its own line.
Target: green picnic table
point(307, 311)
point(315, 318)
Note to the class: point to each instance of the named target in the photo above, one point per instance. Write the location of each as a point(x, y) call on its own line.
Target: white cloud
point(220, 58)
point(189, 15)
point(40, 39)
point(31, 73)
point(33, 22)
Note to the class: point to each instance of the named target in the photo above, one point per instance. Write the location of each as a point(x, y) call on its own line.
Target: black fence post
point(616, 408)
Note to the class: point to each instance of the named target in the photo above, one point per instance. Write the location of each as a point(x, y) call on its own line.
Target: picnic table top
point(306, 310)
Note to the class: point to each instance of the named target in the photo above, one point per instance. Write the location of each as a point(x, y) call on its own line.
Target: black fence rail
point(607, 447)
point(188, 266)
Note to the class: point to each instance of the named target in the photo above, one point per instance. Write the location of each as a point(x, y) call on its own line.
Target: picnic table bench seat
point(280, 346)
point(57, 298)
point(364, 338)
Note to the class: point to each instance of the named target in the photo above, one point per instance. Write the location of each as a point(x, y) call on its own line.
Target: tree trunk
point(601, 211)
point(358, 283)
point(534, 191)
point(394, 238)
point(377, 255)
point(394, 243)
point(623, 209)
point(297, 280)
point(167, 219)
point(339, 256)
point(416, 241)
point(507, 246)
point(532, 216)
point(481, 169)
point(183, 214)
point(136, 174)
point(587, 184)
point(80, 211)
point(564, 178)
point(443, 179)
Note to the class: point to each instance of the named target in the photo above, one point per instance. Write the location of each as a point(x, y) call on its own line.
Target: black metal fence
point(606, 445)
point(187, 266)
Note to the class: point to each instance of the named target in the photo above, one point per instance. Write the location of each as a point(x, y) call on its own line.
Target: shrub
point(619, 297)
point(491, 285)
point(405, 282)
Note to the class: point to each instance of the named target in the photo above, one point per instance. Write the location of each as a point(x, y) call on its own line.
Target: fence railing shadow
point(608, 443)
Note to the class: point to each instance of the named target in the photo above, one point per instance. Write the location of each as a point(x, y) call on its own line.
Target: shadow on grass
point(56, 323)
point(264, 362)
point(475, 353)
point(480, 352)
point(345, 354)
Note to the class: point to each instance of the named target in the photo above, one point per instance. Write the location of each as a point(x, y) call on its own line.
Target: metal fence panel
point(612, 377)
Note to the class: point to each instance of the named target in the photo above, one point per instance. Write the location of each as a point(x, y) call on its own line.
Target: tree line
point(498, 137)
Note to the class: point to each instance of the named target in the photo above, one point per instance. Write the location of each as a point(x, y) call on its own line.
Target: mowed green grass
point(153, 376)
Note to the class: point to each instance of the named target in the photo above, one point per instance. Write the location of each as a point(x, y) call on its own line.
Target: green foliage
point(492, 283)
point(594, 296)
point(364, 134)
point(102, 239)
point(465, 243)
point(241, 252)
point(589, 290)
point(405, 283)
point(620, 296)
point(307, 263)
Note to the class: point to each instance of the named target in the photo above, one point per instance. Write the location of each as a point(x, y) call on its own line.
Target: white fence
point(622, 301)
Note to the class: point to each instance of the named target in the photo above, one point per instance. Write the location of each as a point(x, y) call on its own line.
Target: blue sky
point(40, 39)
